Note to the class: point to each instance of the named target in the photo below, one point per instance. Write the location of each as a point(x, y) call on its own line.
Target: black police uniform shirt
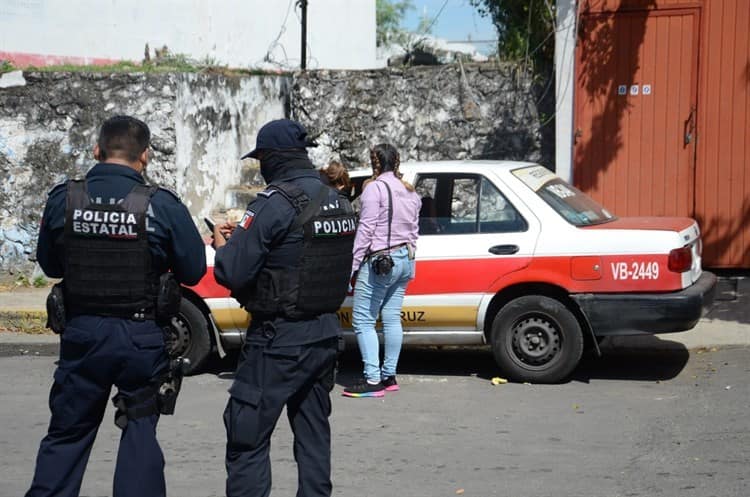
point(173, 238)
point(265, 225)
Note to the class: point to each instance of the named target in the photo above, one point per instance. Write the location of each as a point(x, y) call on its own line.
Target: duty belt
point(139, 315)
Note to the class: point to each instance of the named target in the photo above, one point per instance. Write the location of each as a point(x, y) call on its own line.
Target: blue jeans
point(381, 294)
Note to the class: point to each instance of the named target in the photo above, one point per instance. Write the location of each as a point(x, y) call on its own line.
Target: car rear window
point(572, 204)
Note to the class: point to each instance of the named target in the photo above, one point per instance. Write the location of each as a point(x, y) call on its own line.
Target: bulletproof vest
point(318, 283)
point(108, 264)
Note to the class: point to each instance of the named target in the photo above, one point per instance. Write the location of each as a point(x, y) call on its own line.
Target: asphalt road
point(666, 423)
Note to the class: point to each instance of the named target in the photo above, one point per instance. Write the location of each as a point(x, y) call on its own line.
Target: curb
point(726, 324)
point(700, 338)
point(13, 338)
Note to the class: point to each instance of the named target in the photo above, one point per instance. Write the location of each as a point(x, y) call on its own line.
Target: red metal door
point(722, 200)
point(635, 110)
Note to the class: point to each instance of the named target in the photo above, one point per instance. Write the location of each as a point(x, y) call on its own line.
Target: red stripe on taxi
point(612, 273)
point(462, 275)
point(576, 274)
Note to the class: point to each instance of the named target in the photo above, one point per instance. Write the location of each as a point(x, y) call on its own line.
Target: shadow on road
point(632, 365)
point(428, 361)
point(662, 362)
point(635, 364)
point(646, 358)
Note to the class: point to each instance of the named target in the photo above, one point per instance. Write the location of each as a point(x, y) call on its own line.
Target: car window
point(572, 204)
point(460, 204)
point(429, 223)
point(464, 205)
point(496, 214)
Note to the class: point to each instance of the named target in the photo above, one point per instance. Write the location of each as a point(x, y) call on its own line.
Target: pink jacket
point(372, 231)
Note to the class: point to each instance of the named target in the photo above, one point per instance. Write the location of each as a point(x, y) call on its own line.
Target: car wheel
point(536, 339)
point(190, 336)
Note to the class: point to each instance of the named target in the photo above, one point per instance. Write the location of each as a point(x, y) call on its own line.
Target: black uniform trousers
point(96, 353)
point(269, 377)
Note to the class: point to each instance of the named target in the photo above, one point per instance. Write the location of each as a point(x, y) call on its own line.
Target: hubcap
point(535, 341)
point(180, 337)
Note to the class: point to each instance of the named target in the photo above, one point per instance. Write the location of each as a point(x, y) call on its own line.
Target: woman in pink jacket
point(384, 258)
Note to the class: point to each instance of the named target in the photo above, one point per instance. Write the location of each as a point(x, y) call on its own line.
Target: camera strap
point(390, 214)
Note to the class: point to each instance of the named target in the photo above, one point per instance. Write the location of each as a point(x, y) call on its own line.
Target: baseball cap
point(280, 134)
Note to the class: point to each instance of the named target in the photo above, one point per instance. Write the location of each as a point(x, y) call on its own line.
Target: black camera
point(382, 264)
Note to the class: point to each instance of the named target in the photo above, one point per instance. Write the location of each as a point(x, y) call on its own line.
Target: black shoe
point(364, 389)
point(390, 383)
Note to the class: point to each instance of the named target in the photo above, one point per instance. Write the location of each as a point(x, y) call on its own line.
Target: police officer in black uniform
point(286, 263)
point(112, 238)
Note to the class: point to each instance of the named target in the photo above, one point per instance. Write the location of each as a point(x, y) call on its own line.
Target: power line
point(470, 40)
point(275, 42)
point(429, 26)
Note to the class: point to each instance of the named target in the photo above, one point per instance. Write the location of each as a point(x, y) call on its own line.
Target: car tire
point(536, 339)
point(190, 336)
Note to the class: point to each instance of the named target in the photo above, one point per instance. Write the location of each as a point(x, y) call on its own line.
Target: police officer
point(111, 238)
point(286, 263)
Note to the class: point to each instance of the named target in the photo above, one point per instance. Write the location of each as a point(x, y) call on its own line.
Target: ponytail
point(384, 157)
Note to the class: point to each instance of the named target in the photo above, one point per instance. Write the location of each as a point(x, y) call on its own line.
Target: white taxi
point(512, 256)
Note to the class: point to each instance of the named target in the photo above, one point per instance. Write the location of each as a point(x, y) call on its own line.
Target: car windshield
point(572, 204)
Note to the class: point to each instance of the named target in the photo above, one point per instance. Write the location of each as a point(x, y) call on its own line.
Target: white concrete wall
point(207, 156)
point(238, 33)
point(201, 124)
point(565, 50)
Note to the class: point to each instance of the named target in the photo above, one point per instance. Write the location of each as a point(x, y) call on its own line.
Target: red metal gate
point(636, 110)
point(722, 200)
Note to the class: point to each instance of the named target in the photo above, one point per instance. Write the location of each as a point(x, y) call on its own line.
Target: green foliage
point(170, 63)
point(39, 281)
point(389, 14)
point(6, 66)
point(124, 66)
point(525, 29)
point(131, 67)
point(33, 322)
point(163, 61)
point(175, 62)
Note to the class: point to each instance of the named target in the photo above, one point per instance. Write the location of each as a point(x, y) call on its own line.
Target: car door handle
point(503, 249)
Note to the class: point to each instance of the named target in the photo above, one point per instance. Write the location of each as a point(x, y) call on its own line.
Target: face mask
point(274, 163)
point(266, 169)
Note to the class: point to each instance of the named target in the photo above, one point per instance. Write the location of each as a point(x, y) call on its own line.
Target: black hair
point(124, 137)
point(384, 158)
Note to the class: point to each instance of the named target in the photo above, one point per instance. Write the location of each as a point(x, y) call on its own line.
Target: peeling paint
point(203, 123)
point(200, 124)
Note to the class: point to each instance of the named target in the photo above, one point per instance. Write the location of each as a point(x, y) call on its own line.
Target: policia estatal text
point(112, 239)
point(288, 263)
